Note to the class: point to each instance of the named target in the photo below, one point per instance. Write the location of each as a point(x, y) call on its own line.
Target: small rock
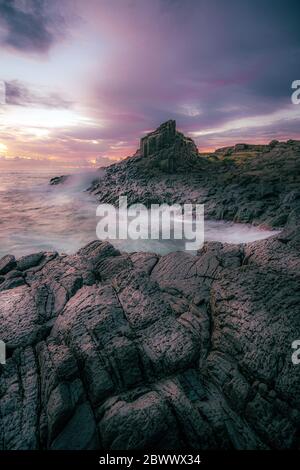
point(7, 263)
point(29, 261)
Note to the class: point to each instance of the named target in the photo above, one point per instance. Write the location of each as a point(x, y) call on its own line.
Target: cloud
point(131, 64)
point(283, 129)
point(38, 164)
point(32, 25)
point(18, 93)
point(228, 61)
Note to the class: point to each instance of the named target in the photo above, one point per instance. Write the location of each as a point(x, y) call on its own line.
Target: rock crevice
point(161, 352)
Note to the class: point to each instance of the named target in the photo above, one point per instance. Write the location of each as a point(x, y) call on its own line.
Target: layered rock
point(163, 137)
point(257, 184)
point(246, 183)
point(167, 148)
point(116, 351)
point(107, 350)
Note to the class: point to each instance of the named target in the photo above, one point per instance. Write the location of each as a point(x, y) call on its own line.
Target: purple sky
point(85, 79)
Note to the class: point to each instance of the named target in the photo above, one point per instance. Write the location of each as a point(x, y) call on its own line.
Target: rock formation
point(108, 350)
point(258, 184)
point(163, 137)
point(168, 148)
point(116, 351)
point(59, 179)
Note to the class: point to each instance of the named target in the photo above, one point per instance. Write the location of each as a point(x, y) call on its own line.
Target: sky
point(84, 80)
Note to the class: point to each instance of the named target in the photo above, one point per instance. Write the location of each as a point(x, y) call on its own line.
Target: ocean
point(35, 216)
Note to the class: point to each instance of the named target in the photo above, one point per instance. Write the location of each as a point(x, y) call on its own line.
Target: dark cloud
point(32, 25)
point(282, 130)
point(207, 63)
point(17, 93)
point(203, 62)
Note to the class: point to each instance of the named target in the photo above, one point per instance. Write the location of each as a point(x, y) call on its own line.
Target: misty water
point(36, 216)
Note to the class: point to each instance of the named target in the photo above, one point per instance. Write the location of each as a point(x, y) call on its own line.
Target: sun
point(3, 148)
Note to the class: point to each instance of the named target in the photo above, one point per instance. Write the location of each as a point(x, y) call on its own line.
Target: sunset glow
point(3, 148)
point(82, 90)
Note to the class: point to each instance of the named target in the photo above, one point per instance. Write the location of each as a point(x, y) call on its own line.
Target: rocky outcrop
point(168, 149)
point(7, 263)
point(107, 350)
point(257, 184)
point(59, 180)
point(163, 137)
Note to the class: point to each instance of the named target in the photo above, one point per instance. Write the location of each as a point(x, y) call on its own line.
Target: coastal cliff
point(109, 350)
point(257, 184)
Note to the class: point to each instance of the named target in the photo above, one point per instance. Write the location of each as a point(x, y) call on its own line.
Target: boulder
point(116, 351)
point(7, 263)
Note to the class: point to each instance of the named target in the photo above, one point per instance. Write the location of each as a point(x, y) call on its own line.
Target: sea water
point(35, 216)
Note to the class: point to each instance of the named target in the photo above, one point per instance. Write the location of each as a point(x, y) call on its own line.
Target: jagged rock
point(136, 351)
point(246, 183)
point(168, 149)
point(116, 351)
point(142, 420)
point(12, 282)
point(28, 261)
point(7, 263)
point(59, 179)
point(163, 137)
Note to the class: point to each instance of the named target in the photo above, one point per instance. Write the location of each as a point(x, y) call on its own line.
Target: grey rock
point(59, 179)
point(29, 261)
point(140, 351)
point(7, 263)
point(108, 350)
point(168, 149)
point(246, 183)
point(80, 432)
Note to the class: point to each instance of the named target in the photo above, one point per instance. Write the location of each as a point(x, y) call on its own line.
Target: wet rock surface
point(256, 184)
point(58, 179)
point(115, 351)
point(107, 350)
